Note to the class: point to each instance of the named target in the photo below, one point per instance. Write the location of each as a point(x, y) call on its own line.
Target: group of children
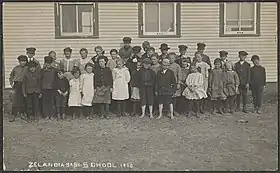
point(130, 80)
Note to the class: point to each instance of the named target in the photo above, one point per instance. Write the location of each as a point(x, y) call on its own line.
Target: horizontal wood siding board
point(199, 23)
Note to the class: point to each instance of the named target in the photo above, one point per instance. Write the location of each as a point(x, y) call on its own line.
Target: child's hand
point(40, 95)
point(12, 84)
point(24, 95)
point(94, 90)
point(59, 92)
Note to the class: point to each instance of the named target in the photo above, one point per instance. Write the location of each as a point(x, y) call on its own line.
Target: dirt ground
point(210, 143)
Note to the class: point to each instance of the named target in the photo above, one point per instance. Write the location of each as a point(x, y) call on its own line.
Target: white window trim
point(75, 33)
point(240, 32)
point(160, 33)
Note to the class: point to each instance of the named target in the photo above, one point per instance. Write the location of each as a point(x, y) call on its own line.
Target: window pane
point(69, 18)
point(85, 18)
point(247, 11)
point(166, 17)
point(232, 11)
point(151, 17)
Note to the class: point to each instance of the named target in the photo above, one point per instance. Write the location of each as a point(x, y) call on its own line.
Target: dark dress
point(257, 83)
point(216, 85)
point(131, 63)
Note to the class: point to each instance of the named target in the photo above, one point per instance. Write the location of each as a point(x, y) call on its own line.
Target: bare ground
point(213, 143)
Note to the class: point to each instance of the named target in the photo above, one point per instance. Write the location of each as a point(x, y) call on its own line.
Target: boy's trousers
point(48, 103)
point(257, 93)
point(18, 101)
point(243, 93)
point(32, 101)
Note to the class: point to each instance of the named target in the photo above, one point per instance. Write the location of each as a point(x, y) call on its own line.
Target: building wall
point(32, 24)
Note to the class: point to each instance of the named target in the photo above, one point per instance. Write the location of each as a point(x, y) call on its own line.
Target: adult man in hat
point(126, 51)
point(242, 68)
point(224, 60)
point(149, 52)
point(200, 49)
point(30, 52)
point(164, 52)
point(131, 63)
point(183, 55)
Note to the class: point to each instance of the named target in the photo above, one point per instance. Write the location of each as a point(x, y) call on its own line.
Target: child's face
point(32, 69)
point(198, 57)
point(84, 54)
point(201, 50)
point(229, 67)
point(22, 63)
point(217, 65)
point(98, 51)
point(165, 65)
point(256, 62)
point(89, 69)
point(146, 66)
point(172, 58)
point(76, 74)
point(119, 64)
point(193, 69)
point(30, 55)
point(223, 57)
point(154, 60)
point(48, 65)
point(164, 51)
point(67, 54)
point(183, 52)
point(139, 65)
point(126, 44)
point(60, 75)
point(53, 55)
point(150, 52)
point(184, 64)
point(114, 55)
point(102, 63)
point(242, 57)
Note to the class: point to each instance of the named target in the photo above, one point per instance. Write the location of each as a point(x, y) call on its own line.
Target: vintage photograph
point(140, 86)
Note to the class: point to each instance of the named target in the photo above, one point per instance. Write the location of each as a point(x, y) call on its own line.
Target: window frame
point(255, 33)
point(141, 27)
point(58, 22)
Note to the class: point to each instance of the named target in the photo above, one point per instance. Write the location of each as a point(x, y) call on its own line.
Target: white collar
point(164, 71)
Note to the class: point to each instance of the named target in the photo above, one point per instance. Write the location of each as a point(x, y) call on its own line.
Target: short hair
point(155, 55)
point(83, 49)
point(50, 52)
point(113, 50)
point(89, 64)
point(171, 53)
point(75, 70)
point(166, 60)
point(197, 53)
point(102, 57)
point(217, 60)
point(98, 47)
point(119, 60)
point(255, 57)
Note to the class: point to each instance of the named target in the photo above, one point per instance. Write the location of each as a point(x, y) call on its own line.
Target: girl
point(99, 53)
point(75, 99)
point(155, 65)
point(61, 94)
point(87, 90)
point(103, 83)
point(135, 95)
point(121, 78)
point(216, 86)
point(194, 91)
point(230, 87)
point(185, 73)
point(83, 60)
point(203, 68)
point(112, 62)
point(178, 76)
point(68, 63)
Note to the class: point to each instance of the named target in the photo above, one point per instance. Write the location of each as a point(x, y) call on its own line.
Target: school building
point(222, 26)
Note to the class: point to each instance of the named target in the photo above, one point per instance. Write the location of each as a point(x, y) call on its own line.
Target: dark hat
point(164, 46)
point(244, 53)
point(201, 45)
point(147, 61)
point(22, 58)
point(145, 44)
point(30, 49)
point(48, 59)
point(150, 48)
point(136, 49)
point(223, 53)
point(32, 64)
point(182, 47)
point(127, 40)
point(67, 49)
point(255, 57)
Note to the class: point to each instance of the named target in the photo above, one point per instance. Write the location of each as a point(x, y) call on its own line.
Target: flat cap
point(244, 53)
point(48, 59)
point(164, 46)
point(201, 45)
point(136, 49)
point(67, 49)
point(147, 61)
point(223, 53)
point(145, 44)
point(182, 47)
point(127, 40)
point(30, 49)
point(22, 58)
point(32, 64)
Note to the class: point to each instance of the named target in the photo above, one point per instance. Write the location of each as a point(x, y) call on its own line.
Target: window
point(240, 19)
point(76, 20)
point(159, 19)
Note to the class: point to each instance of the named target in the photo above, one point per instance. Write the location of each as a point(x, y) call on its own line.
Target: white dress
point(87, 88)
point(82, 63)
point(204, 71)
point(121, 78)
point(194, 80)
point(74, 94)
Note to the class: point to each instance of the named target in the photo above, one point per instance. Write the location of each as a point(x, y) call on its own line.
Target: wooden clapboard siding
point(32, 24)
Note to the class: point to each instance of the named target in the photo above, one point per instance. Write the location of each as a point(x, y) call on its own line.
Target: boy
point(30, 52)
point(150, 52)
point(164, 52)
point(224, 60)
point(183, 55)
point(55, 63)
point(242, 69)
point(257, 82)
point(146, 83)
point(205, 58)
point(155, 65)
point(16, 79)
point(165, 87)
point(126, 51)
point(48, 77)
point(31, 89)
